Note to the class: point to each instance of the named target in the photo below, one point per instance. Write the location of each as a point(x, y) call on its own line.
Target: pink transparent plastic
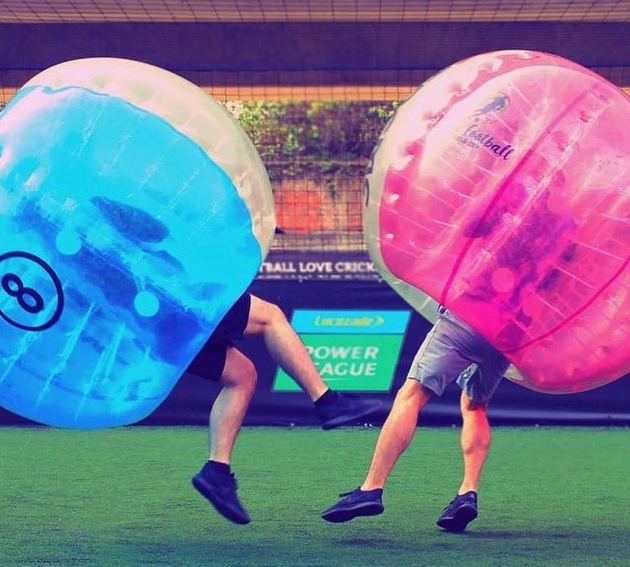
point(501, 189)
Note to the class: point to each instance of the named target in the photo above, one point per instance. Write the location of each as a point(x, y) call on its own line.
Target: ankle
point(217, 467)
point(370, 488)
point(327, 398)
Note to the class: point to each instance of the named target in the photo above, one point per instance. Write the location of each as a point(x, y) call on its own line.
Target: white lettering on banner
point(352, 352)
point(339, 360)
point(347, 369)
point(278, 268)
point(315, 267)
point(354, 267)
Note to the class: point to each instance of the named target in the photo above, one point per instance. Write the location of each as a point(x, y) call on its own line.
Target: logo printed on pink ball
point(476, 137)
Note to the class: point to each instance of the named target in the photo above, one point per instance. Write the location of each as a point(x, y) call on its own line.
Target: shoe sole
point(351, 418)
point(204, 489)
point(459, 521)
point(347, 514)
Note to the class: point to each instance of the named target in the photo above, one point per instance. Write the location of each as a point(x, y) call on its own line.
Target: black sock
point(215, 466)
point(327, 398)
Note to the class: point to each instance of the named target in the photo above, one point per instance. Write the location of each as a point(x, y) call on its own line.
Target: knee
point(244, 379)
point(276, 316)
point(413, 393)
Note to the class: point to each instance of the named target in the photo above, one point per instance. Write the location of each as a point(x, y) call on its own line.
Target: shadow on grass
point(379, 543)
point(505, 534)
point(369, 546)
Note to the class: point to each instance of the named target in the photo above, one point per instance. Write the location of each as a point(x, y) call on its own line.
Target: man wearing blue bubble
point(221, 361)
point(452, 351)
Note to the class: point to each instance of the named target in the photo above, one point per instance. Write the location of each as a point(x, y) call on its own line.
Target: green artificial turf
point(550, 497)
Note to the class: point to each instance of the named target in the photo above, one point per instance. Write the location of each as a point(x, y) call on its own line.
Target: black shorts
point(210, 360)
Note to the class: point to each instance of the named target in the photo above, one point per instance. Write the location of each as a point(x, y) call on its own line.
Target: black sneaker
point(356, 503)
point(459, 513)
point(220, 490)
point(347, 410)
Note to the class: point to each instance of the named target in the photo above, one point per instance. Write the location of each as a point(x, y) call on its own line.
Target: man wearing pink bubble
point(219, 360)
point(451, 351)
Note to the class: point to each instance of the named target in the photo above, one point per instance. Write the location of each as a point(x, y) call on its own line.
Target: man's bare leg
point(397, 432)
point(289, 352)
point(476, 437)
point(229, 408)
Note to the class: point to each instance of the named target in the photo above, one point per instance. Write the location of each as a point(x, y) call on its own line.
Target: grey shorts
point(454, 351)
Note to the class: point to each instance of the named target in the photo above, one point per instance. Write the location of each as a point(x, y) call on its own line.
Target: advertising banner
point(352, 349)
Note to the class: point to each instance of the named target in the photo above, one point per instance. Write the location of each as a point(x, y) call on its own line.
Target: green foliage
point(313, 139)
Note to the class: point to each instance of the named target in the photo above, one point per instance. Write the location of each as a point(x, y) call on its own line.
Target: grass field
point(550, 497)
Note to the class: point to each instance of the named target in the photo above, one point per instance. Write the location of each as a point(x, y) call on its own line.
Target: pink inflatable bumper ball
point(501, 189)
